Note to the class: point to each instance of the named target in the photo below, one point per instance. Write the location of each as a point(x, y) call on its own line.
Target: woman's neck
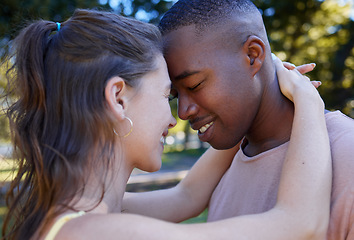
point(114, 190)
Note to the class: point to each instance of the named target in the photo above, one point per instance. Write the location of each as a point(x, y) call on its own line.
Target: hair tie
point(58, 26)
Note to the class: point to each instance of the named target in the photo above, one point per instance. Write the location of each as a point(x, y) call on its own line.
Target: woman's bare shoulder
point(116, 226)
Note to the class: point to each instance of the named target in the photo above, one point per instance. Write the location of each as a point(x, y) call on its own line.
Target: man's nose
point(186, 108)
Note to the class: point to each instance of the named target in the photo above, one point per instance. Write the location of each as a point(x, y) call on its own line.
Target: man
point(220, 65)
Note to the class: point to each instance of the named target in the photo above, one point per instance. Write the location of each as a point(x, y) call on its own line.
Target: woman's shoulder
point(114, 226)
point(93, 226)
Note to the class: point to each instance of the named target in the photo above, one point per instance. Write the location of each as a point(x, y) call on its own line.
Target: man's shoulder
point(337, 116)
point(341, 135)
point(339, 126)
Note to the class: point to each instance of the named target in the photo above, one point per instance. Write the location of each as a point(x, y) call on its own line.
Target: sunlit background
point(300, 31)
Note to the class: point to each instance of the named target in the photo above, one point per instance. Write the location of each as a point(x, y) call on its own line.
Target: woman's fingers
point(305, 68)
point(286, 86)
point(289, 66)
point(290, 78)
point(316, 83)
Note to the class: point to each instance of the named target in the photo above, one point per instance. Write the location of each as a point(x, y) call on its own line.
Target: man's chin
point(221, 146)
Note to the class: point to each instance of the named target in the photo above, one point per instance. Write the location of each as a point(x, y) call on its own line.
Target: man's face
point(216, 91)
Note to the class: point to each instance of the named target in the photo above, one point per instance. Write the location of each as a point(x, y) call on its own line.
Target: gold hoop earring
point(131, 127)
point(130, 131)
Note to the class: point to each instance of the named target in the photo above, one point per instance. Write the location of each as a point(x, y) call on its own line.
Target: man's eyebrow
point(185, 74)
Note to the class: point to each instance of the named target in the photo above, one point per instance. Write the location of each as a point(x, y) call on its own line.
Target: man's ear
point(255, 49)
point(115, 95)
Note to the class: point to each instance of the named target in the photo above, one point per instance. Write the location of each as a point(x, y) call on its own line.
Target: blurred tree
point(299, 31)
point(4, 123)
point(302, 31)
point(14, 14)
point(145, 10)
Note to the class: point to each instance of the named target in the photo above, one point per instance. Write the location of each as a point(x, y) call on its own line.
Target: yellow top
point(60, 222)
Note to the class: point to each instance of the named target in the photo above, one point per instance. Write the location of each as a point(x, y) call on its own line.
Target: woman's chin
point(153, 167)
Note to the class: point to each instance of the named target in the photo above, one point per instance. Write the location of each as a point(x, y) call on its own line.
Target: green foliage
point(15, 13)
point(2, 213)
point(202, 218)
point(300, 31)
point(4, 128)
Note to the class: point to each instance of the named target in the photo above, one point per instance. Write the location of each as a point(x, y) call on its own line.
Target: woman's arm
point(190, 197)
point(303, 204)
point(302, 208)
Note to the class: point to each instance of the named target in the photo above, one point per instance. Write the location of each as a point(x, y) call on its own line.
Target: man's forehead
point(183, 36)
point(235, 26)
point(186, 52)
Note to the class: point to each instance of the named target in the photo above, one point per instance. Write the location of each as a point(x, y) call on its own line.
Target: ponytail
point(30, 47)
point(26, 83)
point(60, 122)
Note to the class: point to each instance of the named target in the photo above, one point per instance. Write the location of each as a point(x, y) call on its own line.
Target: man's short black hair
point(202, 13)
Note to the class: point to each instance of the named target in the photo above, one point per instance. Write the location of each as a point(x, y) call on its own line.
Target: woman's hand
point(303, 69)
point(292, 82)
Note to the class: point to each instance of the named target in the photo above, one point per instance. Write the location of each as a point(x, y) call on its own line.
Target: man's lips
point(201, 126)
point(205, 127)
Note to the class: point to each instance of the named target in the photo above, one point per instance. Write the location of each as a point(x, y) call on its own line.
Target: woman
point(92, 104)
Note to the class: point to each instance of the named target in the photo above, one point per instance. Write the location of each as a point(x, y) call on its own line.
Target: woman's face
point(151, 115)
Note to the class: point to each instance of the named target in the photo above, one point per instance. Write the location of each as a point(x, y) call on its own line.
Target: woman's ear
point(115, 94)
point(255, 49)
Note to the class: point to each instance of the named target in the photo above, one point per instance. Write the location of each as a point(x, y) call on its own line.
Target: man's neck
point(273, 123)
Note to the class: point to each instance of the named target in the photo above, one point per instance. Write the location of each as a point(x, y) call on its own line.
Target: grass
point(200, 219)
